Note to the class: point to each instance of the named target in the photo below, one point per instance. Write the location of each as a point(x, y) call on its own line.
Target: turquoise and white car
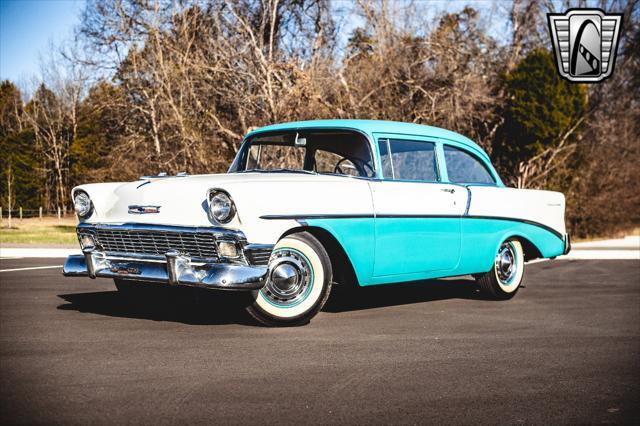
point(311, 204)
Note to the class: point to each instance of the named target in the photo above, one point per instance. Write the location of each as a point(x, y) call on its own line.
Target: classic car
point(308, 205)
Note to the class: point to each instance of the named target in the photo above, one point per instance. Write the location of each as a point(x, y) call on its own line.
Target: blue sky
point(26, 29)
point(29, 27)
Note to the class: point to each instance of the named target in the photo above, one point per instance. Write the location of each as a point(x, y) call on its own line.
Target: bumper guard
point(178, 270)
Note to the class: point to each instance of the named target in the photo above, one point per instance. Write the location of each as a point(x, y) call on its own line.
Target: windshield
point(324, 152)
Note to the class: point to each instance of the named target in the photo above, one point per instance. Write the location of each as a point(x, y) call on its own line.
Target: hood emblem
point(144, 209)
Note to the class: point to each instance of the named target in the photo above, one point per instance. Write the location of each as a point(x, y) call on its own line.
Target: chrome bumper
point(178, 270)
point(567, 244)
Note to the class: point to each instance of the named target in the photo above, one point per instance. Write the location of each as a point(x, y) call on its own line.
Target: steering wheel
point(363, 169)
point(338, 170)
point(366, 166)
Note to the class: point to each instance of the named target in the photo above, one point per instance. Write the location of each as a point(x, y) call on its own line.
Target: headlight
point(221, 207)
point(82, 204)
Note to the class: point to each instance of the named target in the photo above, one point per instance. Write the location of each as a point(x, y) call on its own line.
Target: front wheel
point(504, 279)
point(298, 282)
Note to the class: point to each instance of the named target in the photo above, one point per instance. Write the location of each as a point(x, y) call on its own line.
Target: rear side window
point(463, 167)
point(408, 160)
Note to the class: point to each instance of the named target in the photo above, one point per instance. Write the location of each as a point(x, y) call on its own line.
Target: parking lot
point(565, 350)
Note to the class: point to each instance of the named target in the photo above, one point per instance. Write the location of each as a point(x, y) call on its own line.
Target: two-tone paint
point(390, 230)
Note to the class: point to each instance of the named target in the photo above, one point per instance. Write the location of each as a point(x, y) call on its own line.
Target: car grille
point(199, 245)
point(258, 256)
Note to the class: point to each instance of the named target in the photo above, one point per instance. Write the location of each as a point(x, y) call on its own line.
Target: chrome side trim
point(299, 217)
point(466, 209)
point(317, 216)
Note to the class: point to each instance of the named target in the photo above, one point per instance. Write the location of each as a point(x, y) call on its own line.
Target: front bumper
point(177, 270)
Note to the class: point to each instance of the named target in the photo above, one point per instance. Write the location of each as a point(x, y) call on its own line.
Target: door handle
point(449, 190)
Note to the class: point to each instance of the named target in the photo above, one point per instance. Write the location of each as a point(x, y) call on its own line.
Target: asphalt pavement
point(565, 350)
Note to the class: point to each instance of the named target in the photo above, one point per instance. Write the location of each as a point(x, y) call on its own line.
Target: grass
point(45, 231)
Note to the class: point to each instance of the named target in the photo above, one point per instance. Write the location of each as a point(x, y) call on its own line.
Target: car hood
point(182, 200)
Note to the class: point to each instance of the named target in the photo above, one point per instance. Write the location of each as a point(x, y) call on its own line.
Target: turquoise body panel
point(482, 237)
point(392, 249)
point(415, 245)
point(357, 238)
point(400, 259)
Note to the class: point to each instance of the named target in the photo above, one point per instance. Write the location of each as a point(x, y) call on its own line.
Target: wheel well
point(343, 272)
point(530, 250)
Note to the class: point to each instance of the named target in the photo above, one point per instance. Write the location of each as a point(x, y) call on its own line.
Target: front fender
point(267, 210)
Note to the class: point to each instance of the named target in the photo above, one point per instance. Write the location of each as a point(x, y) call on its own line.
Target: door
point(417, 217)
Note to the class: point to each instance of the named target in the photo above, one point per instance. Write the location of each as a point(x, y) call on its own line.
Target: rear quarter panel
point(543, 207)
point(496, 214)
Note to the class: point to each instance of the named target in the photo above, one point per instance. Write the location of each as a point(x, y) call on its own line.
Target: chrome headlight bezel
point(221, 206)
point(82, 204)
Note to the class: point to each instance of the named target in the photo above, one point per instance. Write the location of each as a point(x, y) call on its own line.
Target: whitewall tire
point(505, 277)
point(298, 284)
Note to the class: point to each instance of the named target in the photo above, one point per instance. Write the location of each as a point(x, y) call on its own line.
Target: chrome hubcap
point(289, 277)
point(506, 267)
point(285, 278)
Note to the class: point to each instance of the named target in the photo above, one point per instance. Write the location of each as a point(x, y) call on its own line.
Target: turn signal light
point(227, 249)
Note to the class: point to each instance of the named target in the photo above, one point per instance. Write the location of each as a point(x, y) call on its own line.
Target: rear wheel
point(298, 283)
point(505, 278)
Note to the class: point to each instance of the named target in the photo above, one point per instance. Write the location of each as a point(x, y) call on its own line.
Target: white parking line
point(37, 252)
point(603, 255)
point(30, 269)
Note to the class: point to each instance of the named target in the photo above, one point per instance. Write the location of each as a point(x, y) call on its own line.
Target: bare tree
point(197, 75)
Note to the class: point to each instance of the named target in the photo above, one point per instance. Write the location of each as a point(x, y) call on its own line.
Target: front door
point(417, 217)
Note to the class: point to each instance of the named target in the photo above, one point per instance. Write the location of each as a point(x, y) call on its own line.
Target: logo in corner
point(585, 42)
point(144, 209)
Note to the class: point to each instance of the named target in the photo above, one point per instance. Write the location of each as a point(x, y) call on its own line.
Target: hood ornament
point(144, 209)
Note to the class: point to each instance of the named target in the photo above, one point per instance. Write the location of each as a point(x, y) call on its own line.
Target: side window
point(463, 167)
point(408, 160)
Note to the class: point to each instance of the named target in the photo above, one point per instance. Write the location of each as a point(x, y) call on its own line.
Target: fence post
point(58, 213)
point(9, 217)
point(20, 214)
point(1, 216)
point(40, 213)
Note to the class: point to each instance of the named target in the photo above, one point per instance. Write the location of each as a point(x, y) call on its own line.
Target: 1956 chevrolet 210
point(309, 204)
